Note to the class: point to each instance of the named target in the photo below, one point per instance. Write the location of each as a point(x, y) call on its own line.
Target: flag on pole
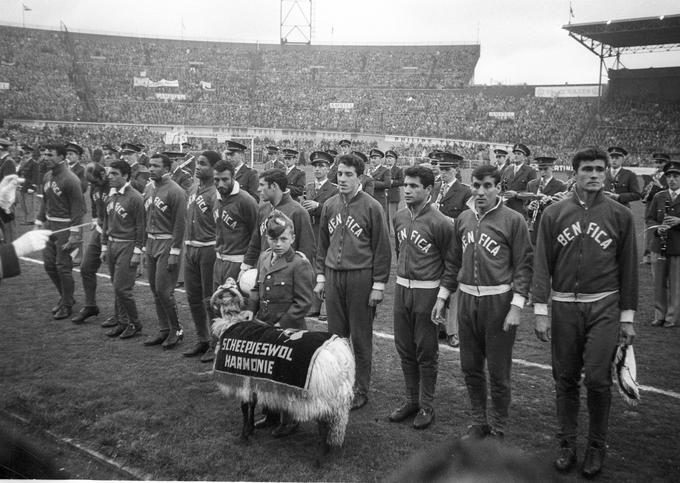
point(26, 9)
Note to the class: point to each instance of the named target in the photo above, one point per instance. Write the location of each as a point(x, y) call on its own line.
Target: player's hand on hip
point(542, 328)
point(375, 297)
point(627, 333)
point(319, 290)
point(512, 319)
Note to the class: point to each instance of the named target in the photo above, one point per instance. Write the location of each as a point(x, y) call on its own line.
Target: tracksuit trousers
point(416, 340)
point(162, 283)
point(349, 315)
point(483, 340)
point(89, 266)
point(123, 279)
point(58, 263)
point(584, 337)
point(199, 263)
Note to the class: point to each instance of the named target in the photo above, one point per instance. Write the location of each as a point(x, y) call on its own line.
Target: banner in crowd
point(341, 105)
point(206, 86)
point(503, 116)
point(4, 86)
point(146, 82)
point(166, 96)
point(568, 91)
point(6, 63)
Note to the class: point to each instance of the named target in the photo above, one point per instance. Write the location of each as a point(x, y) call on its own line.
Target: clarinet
point(534, 215)
point(663, 235)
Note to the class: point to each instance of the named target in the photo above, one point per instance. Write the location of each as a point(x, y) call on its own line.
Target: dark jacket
point(394, 193)
point(625, 184)
point(655, 214)
point(516, 182)
point(248, 180)
point(454, 201)
point(296, 182)
point(327, 190)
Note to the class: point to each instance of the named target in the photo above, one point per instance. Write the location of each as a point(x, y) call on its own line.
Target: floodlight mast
point(296, 22)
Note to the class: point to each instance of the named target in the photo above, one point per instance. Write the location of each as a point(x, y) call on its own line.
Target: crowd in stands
point(419, 91)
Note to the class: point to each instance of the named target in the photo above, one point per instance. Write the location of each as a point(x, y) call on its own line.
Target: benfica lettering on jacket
point(489, 249)
point(165, 205)
point(586, 250)
point(235, 219)
point(62, 196)
point(124, 218)
point(354, 236)
point(422, 240)
point(99, 197)
point(200, 219)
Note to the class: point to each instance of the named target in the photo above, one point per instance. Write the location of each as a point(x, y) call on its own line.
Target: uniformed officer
point(296, 177)
point(246, 176)
point(501, 159)
point(73, 154)
point(272, 158)
point(345, 146)
point(381, 175)
point(165, 205)
point(365, 181)
point(183, 166)
point(515, 178)
point(394, 193)
point(63, 207)
point(316, 194)
point(29, 170)
point(621, 184)
point(130, 153)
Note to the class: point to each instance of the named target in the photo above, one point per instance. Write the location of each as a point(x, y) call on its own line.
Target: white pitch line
point(384, 335)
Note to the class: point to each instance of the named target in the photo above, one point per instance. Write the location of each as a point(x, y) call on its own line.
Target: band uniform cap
point(126, 148)
point(318, 157)
point(332, 152)
point(435, 154)
point(234, 146)
point(289, 153)
point(522, 148)
point(73, 147)
point(174, 154)
point(361, 155)
point(110, 147)
point(345, 142)
point(5, 142)
point(187, 145)
point(376, 152)
point(671, 167)
point(448, 160)
point(617, 151)
point(500, 151)
point(391, 154)
point(661, 157)
point(26, 148)
point(272, 149)
point(545, 161)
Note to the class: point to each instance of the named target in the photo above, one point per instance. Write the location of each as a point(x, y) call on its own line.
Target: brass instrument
point(663, 234)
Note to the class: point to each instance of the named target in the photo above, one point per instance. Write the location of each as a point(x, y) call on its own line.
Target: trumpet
point(539, 202)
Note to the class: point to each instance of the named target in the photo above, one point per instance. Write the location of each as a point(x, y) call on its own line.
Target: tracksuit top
point(304, 236)
point(586, 250)
point(124, 218)
point(165, 205)
point(62, 197)
point(490, 249)
point(354, 236)
point(200, 227)
point(99, 197)
point(422, 241)
point(235, 218)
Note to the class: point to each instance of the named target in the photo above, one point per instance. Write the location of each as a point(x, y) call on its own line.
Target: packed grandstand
point(412, 93)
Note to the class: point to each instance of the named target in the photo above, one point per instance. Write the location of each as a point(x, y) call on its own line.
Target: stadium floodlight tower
point(296, 22)
point(613, 38)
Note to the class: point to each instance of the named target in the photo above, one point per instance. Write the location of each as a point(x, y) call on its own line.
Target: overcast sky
point(522, 41)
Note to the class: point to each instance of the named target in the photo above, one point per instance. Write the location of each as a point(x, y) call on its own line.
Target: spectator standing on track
point(123, 234)
point(422, 239)
point(586, 262)
point(621, 184)
point(63, 208)
point(165, 205)
point(353, 266)
point(490, 263)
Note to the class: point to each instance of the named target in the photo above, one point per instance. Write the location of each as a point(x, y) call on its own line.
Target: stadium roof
point(613, 37)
